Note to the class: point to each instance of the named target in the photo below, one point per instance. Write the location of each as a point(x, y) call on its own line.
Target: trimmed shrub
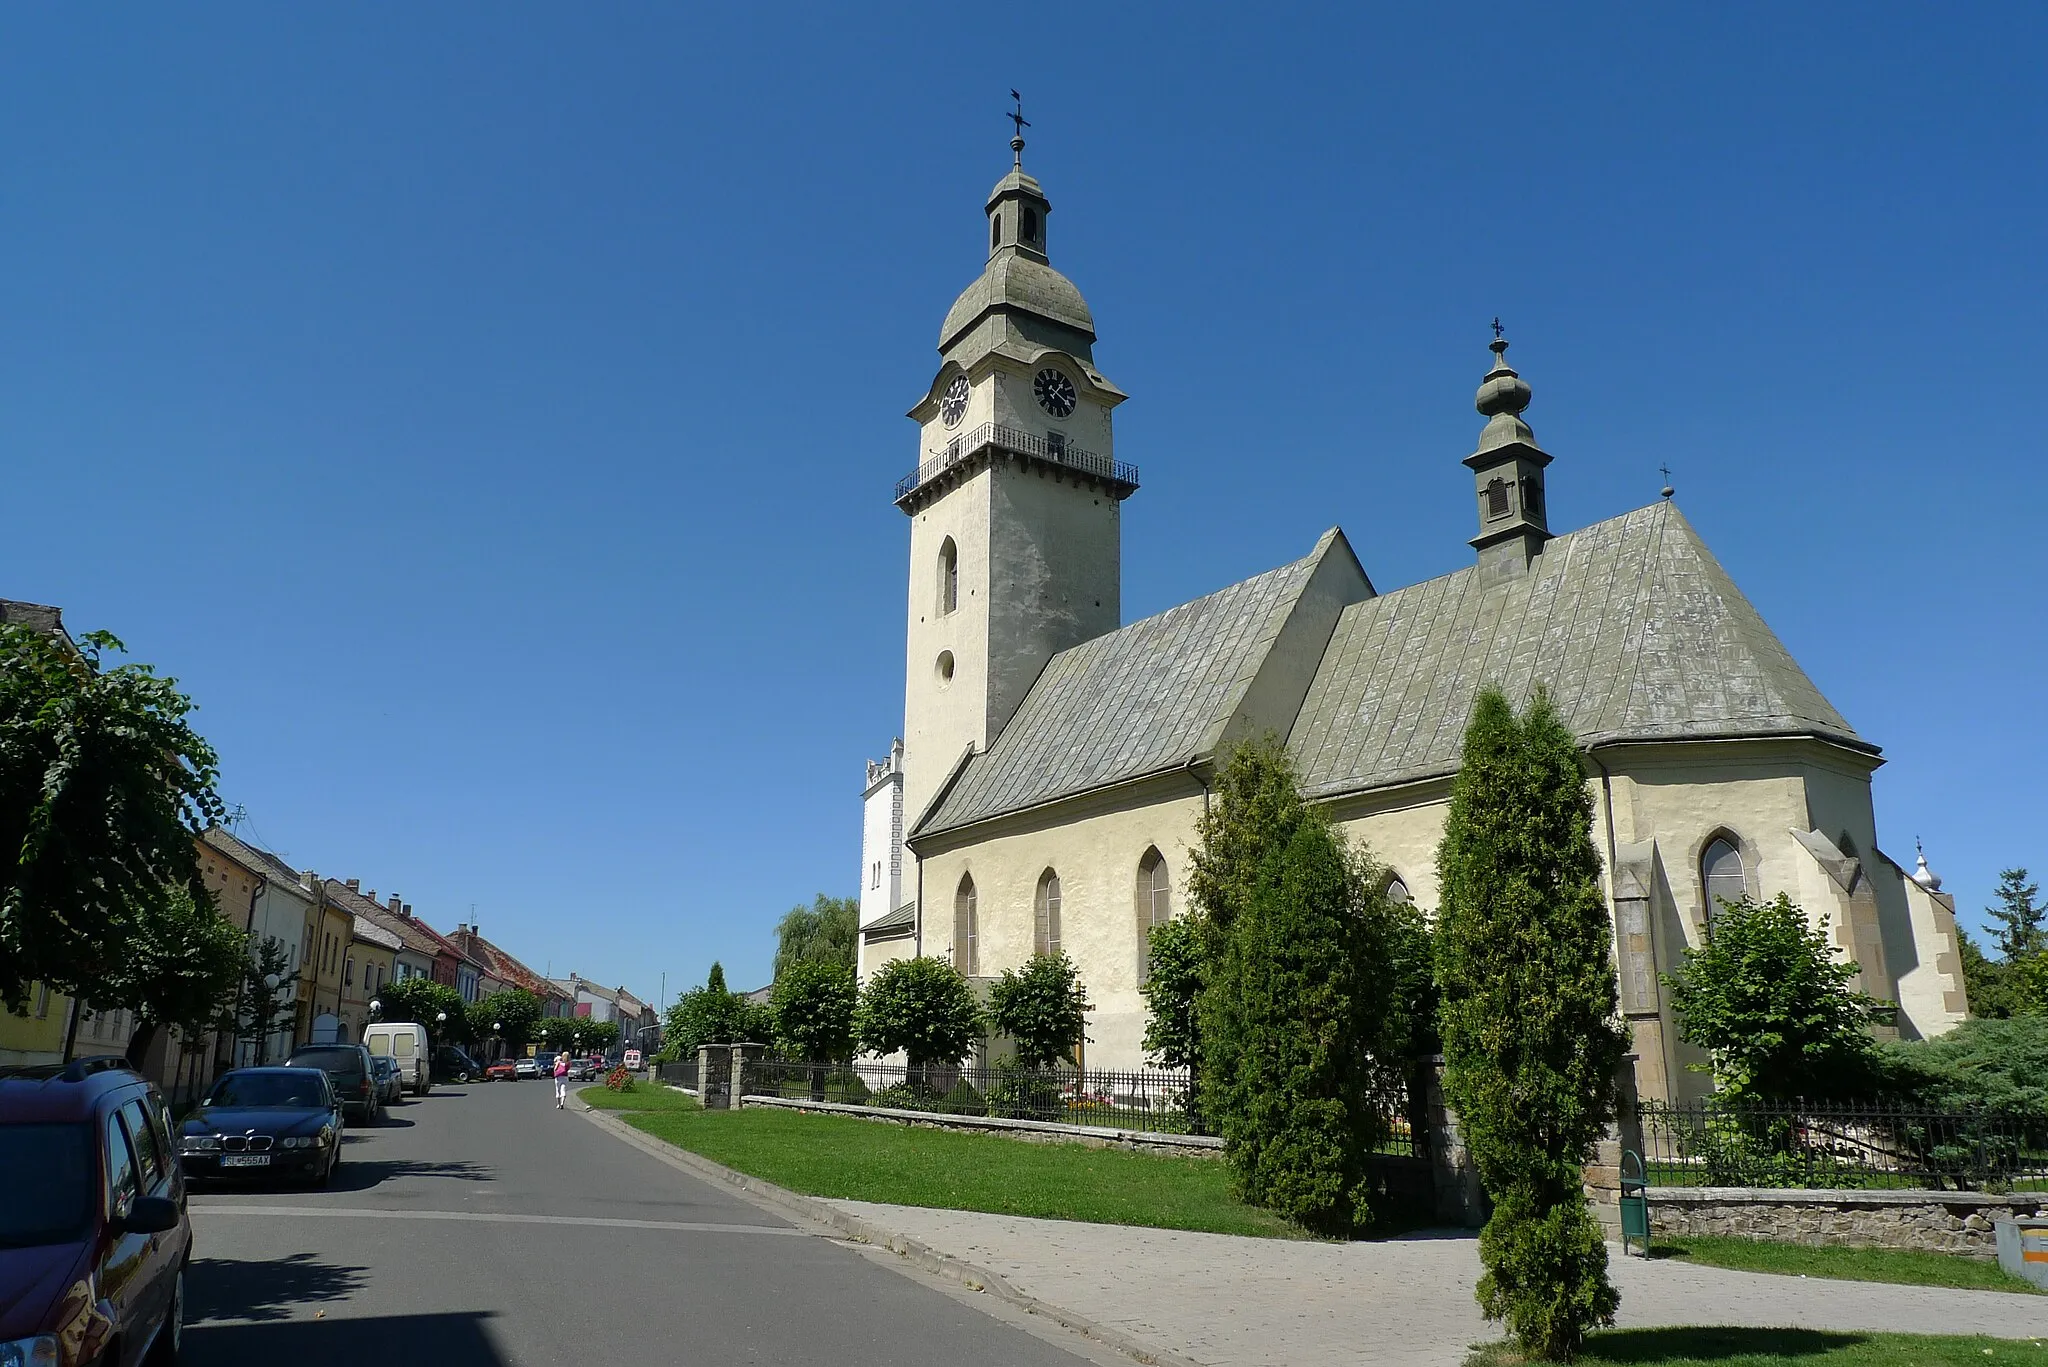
point(1044, 1009)
point(1530, 1022)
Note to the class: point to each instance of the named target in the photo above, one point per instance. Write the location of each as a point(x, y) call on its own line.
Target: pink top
point(561, 1065)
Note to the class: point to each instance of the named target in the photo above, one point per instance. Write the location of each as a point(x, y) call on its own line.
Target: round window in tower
point(945, 668)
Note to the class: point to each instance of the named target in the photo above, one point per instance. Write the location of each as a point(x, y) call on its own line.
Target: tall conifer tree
point(1531, 1033)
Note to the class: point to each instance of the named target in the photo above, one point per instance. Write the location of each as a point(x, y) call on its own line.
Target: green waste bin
point(1635, 1202)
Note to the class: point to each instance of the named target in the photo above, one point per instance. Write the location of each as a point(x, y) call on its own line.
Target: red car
point(504, 1070)
point(93, 1250)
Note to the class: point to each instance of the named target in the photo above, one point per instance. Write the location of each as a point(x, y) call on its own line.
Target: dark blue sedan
point(260, 1121)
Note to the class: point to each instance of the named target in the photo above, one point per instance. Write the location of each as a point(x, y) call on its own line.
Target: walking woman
point(562, 1080)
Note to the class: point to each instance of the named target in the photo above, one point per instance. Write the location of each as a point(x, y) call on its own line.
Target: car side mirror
point(149, 1215)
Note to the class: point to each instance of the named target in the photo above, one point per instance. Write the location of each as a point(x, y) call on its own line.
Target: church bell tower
point(1014, 504)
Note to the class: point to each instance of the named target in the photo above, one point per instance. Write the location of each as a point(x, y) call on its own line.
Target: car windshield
point(333, 1060)
point(56, 1208)
point(267, 1090)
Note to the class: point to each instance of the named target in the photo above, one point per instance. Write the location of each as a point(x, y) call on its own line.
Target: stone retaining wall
point(1935, 1221)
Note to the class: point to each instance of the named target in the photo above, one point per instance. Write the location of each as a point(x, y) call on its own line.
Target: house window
point(1496, 497)
point(1397, 892)
point(42, 1001)
point(949, 577)
point(1047, 940)
point(966, 930)
point(348, 971)
point(1155, 905)
point(1722, 874)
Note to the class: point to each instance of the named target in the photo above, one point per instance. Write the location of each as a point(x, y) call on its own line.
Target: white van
point(407, 1043)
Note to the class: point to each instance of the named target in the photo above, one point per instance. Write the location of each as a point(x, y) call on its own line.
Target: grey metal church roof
point(1632, 625)
point(1140, 700)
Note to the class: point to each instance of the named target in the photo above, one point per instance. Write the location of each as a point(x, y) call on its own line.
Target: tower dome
point(1018, 302)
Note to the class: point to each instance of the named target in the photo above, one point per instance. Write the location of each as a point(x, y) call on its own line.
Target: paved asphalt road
point(481, 1227)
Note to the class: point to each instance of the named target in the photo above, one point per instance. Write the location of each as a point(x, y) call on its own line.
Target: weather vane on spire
point(1017, 118)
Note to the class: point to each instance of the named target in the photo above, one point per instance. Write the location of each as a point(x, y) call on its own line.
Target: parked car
point(407, 1043)
point(526, 1067)
point(455, 1065)
point(582, 1069)
point(504, 1070)
point(93, 1233)
point(390, 1081)
point(263, 1121)
point(348, 1070)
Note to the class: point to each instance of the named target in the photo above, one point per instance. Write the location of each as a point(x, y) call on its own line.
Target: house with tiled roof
point(1055, 760)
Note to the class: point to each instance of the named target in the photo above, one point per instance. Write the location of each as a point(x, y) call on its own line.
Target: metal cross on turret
point(1022, 123)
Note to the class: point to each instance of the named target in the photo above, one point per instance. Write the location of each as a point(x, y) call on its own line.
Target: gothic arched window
point(966, 931)
point(949, 577)
point(1154, 904)
point(1721, 874)
point(1047, 939)
point(1397, 892)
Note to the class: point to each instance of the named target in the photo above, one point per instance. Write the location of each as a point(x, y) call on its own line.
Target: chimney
point(393, 904)
point(354, 885)
point(406, 911)
point(308, 879)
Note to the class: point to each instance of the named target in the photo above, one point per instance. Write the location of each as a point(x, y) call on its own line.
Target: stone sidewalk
point(1223, 1299)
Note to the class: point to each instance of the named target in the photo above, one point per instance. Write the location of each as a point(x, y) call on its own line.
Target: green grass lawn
point(1784, 1348)
point(862, 1160)
point(1844, 1264)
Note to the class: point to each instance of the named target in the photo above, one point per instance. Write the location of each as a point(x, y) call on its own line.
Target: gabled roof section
point(414, 935)
point(1162, 692)
point(369, 931)
point(1632, 625)
point(257, 860)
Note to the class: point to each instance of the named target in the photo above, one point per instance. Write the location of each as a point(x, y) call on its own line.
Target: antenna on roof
point(236, 815)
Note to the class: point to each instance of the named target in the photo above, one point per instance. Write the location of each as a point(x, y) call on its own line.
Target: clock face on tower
point(1055, 392)
point(953, 403)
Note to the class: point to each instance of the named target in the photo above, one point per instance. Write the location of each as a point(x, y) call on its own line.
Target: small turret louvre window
point(1047, 939)
point(995, 232)
point(966, 934)
point(949, 576)
point(1496, 497)
point(1029, 232)
point(1722, 874)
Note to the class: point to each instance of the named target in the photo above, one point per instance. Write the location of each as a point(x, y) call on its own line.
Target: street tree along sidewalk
point(104, 786)
point(424, 1002)
point(922, 1007)
point(1043, 1009)
point(1531, 1033)
point(181, 968)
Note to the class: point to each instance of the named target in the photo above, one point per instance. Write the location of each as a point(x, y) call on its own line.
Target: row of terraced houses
point(341, 940)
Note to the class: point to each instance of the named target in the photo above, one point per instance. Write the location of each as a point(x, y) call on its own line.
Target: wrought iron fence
point(1863, 1146)
point(1150, 1101)
point(682, 1073)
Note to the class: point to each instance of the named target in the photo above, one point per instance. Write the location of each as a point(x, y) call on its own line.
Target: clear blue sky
point(489, 412)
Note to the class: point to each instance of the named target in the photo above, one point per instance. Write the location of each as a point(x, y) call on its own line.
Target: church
point(1054, 759)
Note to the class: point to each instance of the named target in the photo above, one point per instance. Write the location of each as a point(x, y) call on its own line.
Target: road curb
point(811, 1210)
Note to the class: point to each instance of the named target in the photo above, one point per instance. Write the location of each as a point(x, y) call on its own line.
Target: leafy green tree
point(1176, 970)
point(922, 1007)
point(813, 1005)
point(2018, 916)
point(1044, 1009)
point(104, 785)
point(711, 1014)
point(422, 1002)
point(1531, 1034)
point(578, 1033)
point(1768, 1000)
point(1301, 1025)
point(2027, 981)
point(182, 966)
point(263, 1010)
point(823, 932)
point(511, 1015)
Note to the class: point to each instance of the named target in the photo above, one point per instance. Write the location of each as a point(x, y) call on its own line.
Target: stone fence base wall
point(1934, 1221)
point(1042, 1131)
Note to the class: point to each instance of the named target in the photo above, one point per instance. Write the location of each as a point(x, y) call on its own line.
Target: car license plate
point(245, 1160)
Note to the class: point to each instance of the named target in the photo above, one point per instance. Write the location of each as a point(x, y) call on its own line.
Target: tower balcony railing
point(994, 436)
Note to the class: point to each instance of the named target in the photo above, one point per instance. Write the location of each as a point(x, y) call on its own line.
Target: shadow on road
point(360, 1174)
point(451, 1340)
point(388, 1121)
point(270, 1289)
point(1709, 1345)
